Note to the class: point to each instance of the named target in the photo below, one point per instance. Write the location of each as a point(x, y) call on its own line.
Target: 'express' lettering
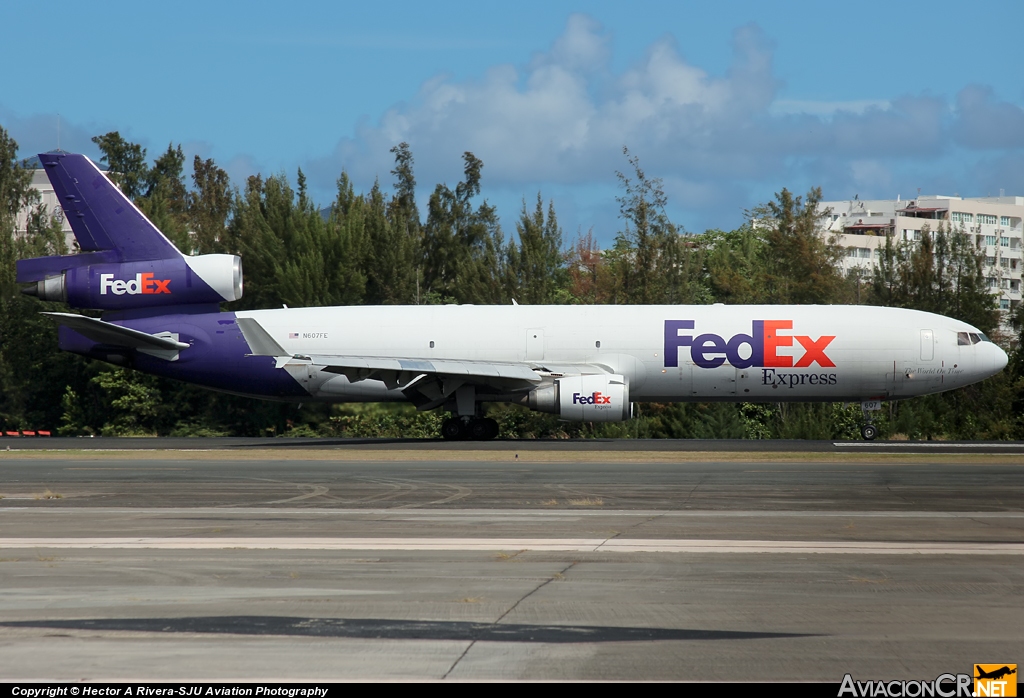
point(759, 348)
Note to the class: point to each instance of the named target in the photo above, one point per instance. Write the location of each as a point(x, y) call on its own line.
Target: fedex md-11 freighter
point(161, 315)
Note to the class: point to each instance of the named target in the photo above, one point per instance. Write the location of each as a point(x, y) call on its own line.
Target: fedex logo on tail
point(596, 399)
point(142, 283)
point(760, 347)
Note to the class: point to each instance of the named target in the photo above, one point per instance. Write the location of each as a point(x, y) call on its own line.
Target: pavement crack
point(557, 575)
point(700, 481)
point(456, 663)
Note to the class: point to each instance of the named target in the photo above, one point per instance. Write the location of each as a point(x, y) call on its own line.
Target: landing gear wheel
point(492, 428)
point(483, 429)
point(869, 432)
point(452, 429)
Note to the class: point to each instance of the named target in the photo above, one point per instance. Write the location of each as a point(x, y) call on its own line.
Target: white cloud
point(39, 133)
point(986, 123)
point(722, 142)
point(563, 117)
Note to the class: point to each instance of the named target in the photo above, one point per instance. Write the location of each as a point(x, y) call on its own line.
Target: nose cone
point(999, 359)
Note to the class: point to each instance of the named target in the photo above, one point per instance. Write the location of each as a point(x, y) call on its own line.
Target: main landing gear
point(475, 428)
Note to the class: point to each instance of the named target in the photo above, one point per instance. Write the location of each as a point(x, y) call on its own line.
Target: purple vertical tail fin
point(101, 217)
point(126, 263)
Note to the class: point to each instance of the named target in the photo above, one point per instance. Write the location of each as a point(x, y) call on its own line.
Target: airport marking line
point(873, 454)
point(610, 545)
point(412, 513)
point(921, 444)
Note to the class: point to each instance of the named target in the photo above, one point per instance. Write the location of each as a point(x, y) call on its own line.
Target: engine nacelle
point(594, 398)
point(211, 278)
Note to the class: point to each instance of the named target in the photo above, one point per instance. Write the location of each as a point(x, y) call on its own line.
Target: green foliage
point(125, 162)
point(33, 372)
point(535, 267)
point(209, 205)
point(390, 421)
point(941, 273)
point(797, 264)
point(131, 404)
point(372, 248)
point(462, 243)
point(651, 262)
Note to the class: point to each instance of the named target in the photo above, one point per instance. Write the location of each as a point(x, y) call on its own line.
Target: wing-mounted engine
point(589, 398)
point(126, 262)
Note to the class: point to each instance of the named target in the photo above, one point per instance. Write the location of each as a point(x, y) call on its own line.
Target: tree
point(734, 263)
point(536, 265)
point(125, 161)
point(652, 263)
point(209, 205)
point(940, 273)
point(587, 271)
point(250, 234)
point(462, 243)
point(33, 372)
point(799, 265)
point(165, 201)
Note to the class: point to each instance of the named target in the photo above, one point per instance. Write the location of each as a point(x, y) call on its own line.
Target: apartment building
point(994, 224)
point(41, 183)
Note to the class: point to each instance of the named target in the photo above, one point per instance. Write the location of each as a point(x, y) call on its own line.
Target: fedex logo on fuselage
point(142, 283)
point(595, 399)
point(765, 338)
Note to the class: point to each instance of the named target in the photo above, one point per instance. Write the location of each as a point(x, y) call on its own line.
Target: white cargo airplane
point(585, 363)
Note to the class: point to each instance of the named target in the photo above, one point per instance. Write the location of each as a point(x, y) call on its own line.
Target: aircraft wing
point(426, 382)
point(363, 367)
point(164, 345)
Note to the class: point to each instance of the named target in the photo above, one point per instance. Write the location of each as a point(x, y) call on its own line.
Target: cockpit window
point(964, 339)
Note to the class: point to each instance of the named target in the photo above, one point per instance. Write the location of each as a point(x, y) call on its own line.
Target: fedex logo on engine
point(759, 348)
point(595, 399)
point(142, 283)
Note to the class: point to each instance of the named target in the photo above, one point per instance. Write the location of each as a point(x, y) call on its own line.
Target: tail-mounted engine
point(212, 278)
point(594, 398)
point(125, 261)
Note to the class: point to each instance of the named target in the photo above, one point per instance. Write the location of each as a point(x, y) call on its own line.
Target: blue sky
point(727, 102)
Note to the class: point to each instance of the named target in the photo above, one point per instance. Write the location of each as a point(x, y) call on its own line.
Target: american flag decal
point(293, 335)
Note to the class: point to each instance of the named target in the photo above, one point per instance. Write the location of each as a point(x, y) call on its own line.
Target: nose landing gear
point(868, 430)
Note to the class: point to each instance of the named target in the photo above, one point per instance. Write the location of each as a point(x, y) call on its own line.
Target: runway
point(450, 567)
point(244, 444)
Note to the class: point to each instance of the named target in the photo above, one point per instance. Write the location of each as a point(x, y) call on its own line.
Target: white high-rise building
point(994, 224)
point(47, 196)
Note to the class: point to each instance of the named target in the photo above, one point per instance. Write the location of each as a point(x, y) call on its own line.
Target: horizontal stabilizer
point(108, 333)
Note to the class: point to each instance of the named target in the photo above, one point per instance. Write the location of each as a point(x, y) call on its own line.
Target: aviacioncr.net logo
point(995, 680)
point(943, 686)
